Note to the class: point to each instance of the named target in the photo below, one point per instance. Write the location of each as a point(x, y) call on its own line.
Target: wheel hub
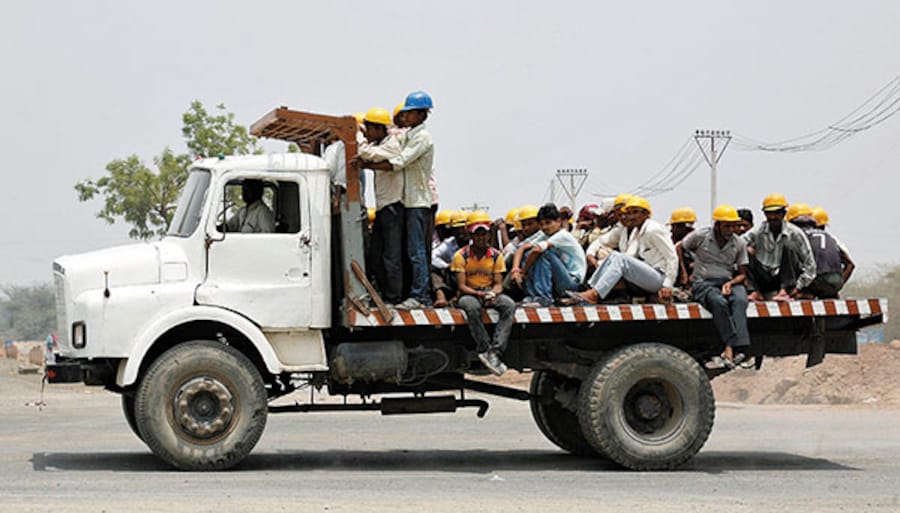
point(648, 408)
point(203, 407)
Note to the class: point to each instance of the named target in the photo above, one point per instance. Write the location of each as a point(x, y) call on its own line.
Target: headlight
point(79, 335)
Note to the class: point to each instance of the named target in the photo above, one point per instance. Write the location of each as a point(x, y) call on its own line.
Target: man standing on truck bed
point(479, 272)
point(387, 233)
point(416, 160)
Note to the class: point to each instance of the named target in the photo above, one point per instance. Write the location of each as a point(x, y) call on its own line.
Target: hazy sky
point(520, 89)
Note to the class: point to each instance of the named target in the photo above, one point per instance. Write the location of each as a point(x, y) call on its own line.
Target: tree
point(146, 198)
point(27, 312)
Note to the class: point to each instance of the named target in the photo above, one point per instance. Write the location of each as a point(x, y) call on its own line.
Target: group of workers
point(612, 252)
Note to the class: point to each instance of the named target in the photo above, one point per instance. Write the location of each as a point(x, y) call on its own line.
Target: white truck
point(200, 331)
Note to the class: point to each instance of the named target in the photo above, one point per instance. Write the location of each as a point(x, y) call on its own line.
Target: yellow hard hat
point(726, 213)
point(774, 202)
point(527, 212)
point(443, 217)
point(638, 202)
point(397, 110)
point(478, 219)
point(796, 210)
point(511, 216)
point(360, 117)
point(371, 213)
point(378, 116)
point(458, 218)
point(820, 215)
point(622, 199)
point(683, 215)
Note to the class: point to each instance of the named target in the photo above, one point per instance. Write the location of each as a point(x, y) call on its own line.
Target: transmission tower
point(571, 181)
point(712, 156)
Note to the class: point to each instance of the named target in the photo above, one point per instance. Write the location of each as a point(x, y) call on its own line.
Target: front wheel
point(128, 411)
point(201, 405)
point(647, 407)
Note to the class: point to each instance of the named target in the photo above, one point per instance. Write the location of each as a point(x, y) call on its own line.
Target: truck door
point(258, 262)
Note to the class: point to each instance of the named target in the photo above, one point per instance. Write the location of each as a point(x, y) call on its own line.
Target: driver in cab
point(255, 216)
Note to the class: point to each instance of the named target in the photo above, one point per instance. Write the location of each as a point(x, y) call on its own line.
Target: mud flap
point(816, 353)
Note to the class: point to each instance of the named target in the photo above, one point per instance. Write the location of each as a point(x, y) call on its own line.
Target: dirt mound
point(870, 377)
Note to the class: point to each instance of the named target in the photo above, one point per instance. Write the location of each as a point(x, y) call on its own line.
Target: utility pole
point(476, 206)
point(712, 158)
point(571, 181)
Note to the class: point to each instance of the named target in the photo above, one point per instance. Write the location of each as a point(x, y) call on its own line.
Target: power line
point(876, 109)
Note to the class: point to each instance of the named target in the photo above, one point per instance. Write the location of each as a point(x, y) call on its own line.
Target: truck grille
point(62, 325)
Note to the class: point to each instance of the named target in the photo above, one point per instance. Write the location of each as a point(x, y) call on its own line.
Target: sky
point(520, 88)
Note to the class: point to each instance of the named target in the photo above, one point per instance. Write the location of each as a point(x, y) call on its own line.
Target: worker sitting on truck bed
point(255, 216)
point(387, 232)
point(746, 222)
point(555, 263)
point(720, 268)
point(416, 160)
point(442, 228)
point(527, 229)
point(443, 280)
point(681, 223)
point(833, 264)
point(479, 272)
point(652, 270)
point(781, 260)
point(505, 229)
point(821, 217)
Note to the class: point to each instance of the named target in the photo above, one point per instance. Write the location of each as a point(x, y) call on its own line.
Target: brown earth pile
point(870, 377)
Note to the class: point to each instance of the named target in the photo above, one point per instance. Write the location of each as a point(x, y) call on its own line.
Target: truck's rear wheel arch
point(203, 330)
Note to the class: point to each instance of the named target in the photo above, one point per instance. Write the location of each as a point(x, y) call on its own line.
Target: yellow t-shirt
point(479, 271)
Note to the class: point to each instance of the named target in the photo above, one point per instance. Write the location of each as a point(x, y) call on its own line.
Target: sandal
point(577, 299)
point(717, 362)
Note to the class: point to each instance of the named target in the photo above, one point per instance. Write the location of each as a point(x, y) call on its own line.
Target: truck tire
point(558, 423)
point(128, 411)
point(647, 407)
point(201, 405)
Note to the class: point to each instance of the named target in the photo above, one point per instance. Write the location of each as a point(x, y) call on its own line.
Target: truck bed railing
point(874, 309)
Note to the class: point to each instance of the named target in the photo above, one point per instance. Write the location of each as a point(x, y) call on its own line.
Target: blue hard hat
point(417, 100)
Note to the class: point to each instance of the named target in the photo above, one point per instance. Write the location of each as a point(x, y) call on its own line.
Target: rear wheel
point(553, 402)
point(647, 407)
point(201, 405)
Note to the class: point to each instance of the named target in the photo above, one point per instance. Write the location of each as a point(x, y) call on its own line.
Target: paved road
point(78, 455)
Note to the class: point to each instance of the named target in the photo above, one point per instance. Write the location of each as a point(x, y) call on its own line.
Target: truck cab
point(115, 304)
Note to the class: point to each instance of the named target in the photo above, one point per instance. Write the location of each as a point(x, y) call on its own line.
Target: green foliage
point(209, 136)
point(27, 312)
point(882, 284)
point(145, 198)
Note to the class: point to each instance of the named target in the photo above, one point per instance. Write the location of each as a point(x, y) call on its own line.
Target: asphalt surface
point(78, 455)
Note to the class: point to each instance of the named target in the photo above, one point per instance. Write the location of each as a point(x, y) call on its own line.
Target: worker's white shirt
point(254, 218)
point(654, 246)
point(388, 184)
point(336, 158)
point(416, 160)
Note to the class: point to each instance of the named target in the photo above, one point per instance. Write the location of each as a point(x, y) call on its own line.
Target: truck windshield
point(190, 205)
